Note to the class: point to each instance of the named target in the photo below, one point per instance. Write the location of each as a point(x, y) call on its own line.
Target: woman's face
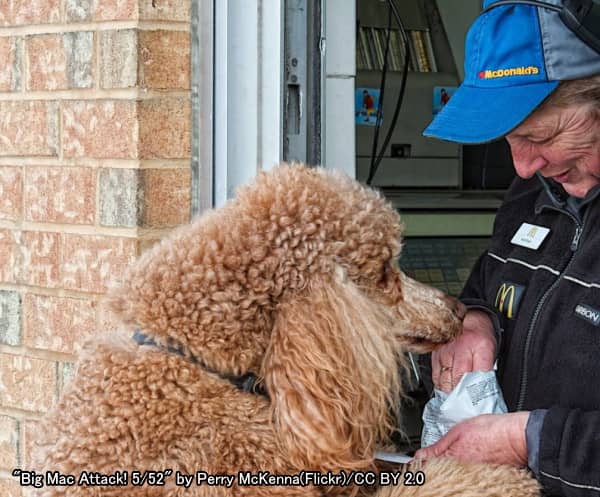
point(559, 143)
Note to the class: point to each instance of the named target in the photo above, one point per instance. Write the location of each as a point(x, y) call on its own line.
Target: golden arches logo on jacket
point(508, 298)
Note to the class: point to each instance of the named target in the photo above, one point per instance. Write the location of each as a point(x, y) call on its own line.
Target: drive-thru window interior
point(302, 80)
point(290, 80)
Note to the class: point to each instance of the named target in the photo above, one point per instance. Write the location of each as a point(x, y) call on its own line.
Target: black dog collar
point(247, 383)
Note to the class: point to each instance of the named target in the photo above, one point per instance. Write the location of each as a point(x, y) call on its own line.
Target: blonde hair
point(584, 92)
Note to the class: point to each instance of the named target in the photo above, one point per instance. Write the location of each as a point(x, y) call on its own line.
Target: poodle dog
point(267, 340)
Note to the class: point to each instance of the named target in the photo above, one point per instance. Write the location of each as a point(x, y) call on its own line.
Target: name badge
point(530, 236)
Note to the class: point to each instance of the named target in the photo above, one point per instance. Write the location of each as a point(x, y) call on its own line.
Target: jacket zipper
point(540, 305)
point(575, 241)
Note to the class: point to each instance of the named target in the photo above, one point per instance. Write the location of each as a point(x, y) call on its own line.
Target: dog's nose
point(457, 307)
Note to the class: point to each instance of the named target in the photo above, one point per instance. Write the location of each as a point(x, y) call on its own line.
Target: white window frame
point(238, 62)
point(247, 91)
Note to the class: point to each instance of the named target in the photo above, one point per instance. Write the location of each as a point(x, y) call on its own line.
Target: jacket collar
point(554, 195)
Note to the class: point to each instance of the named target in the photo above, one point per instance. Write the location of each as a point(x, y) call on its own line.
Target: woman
point(534, 296)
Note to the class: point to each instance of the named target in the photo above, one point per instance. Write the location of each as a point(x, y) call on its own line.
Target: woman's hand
point(489, 438)
point(473, 350)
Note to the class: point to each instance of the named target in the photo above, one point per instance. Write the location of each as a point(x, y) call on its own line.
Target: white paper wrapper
point(477, 393)
point(394, 457)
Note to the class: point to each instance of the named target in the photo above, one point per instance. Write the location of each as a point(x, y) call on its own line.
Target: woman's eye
point(540, 141)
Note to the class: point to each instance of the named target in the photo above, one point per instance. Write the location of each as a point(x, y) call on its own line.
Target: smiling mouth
point(561, 178)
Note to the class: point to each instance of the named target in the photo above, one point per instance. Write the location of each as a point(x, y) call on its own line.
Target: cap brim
point(480, 115)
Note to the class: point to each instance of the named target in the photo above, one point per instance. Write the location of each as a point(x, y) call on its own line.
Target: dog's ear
point(331, 371)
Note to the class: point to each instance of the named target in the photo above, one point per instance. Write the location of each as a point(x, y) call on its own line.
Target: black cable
point(485, 165)
point(379, 113)
point(375, 164)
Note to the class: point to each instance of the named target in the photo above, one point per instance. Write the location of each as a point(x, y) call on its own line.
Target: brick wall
point(94, 166)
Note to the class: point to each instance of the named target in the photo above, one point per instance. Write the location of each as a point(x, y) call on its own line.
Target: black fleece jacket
point(547, 301)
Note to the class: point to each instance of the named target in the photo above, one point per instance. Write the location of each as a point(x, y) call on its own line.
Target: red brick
point(166, 10)
point(108, 10)
point(41, 258)
point(105, 129)
point(167, 197)
point(10, 488)
point(28, 432)
point(28, 436)
point(27, 383)
point(90, 263)
point(20, 12)
point(29, 128)
point(10, 71)
point(56, 323)
point(8, 442)
point(10, 256)
point(6, 13)
point(165, 128)
point(164, 59)
point(60, 194)
point(36, 11)
point(60, 61)
point(47, 62)
point(11, 193)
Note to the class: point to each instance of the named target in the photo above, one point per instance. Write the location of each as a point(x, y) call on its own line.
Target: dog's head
point(296, 280)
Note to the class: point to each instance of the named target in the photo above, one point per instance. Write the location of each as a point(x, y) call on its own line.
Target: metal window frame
point(303, 83)
point(202, 38)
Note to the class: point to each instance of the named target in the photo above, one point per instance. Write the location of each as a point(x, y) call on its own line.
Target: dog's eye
point(387, 273)
point(391, 281)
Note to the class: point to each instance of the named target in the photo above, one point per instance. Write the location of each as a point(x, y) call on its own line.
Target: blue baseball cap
point(515, 57)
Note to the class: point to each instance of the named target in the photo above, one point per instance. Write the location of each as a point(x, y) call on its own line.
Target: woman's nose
point(527, 160)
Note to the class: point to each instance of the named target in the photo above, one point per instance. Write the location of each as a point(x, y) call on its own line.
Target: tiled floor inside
point(444, 263)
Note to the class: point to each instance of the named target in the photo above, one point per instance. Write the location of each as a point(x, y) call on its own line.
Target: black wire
point(485, 165)
point(375, 165)
point(379, 114)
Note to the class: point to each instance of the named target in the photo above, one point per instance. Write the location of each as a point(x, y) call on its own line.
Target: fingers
point(426, 453)
point(448, 366)
point(441, 368)
point(438, 449)
point(445, 383)
point(473, 350)
point(488, 438)
point(484, 359)
point(422, 454)
point(463, 363)
point(435, 366)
